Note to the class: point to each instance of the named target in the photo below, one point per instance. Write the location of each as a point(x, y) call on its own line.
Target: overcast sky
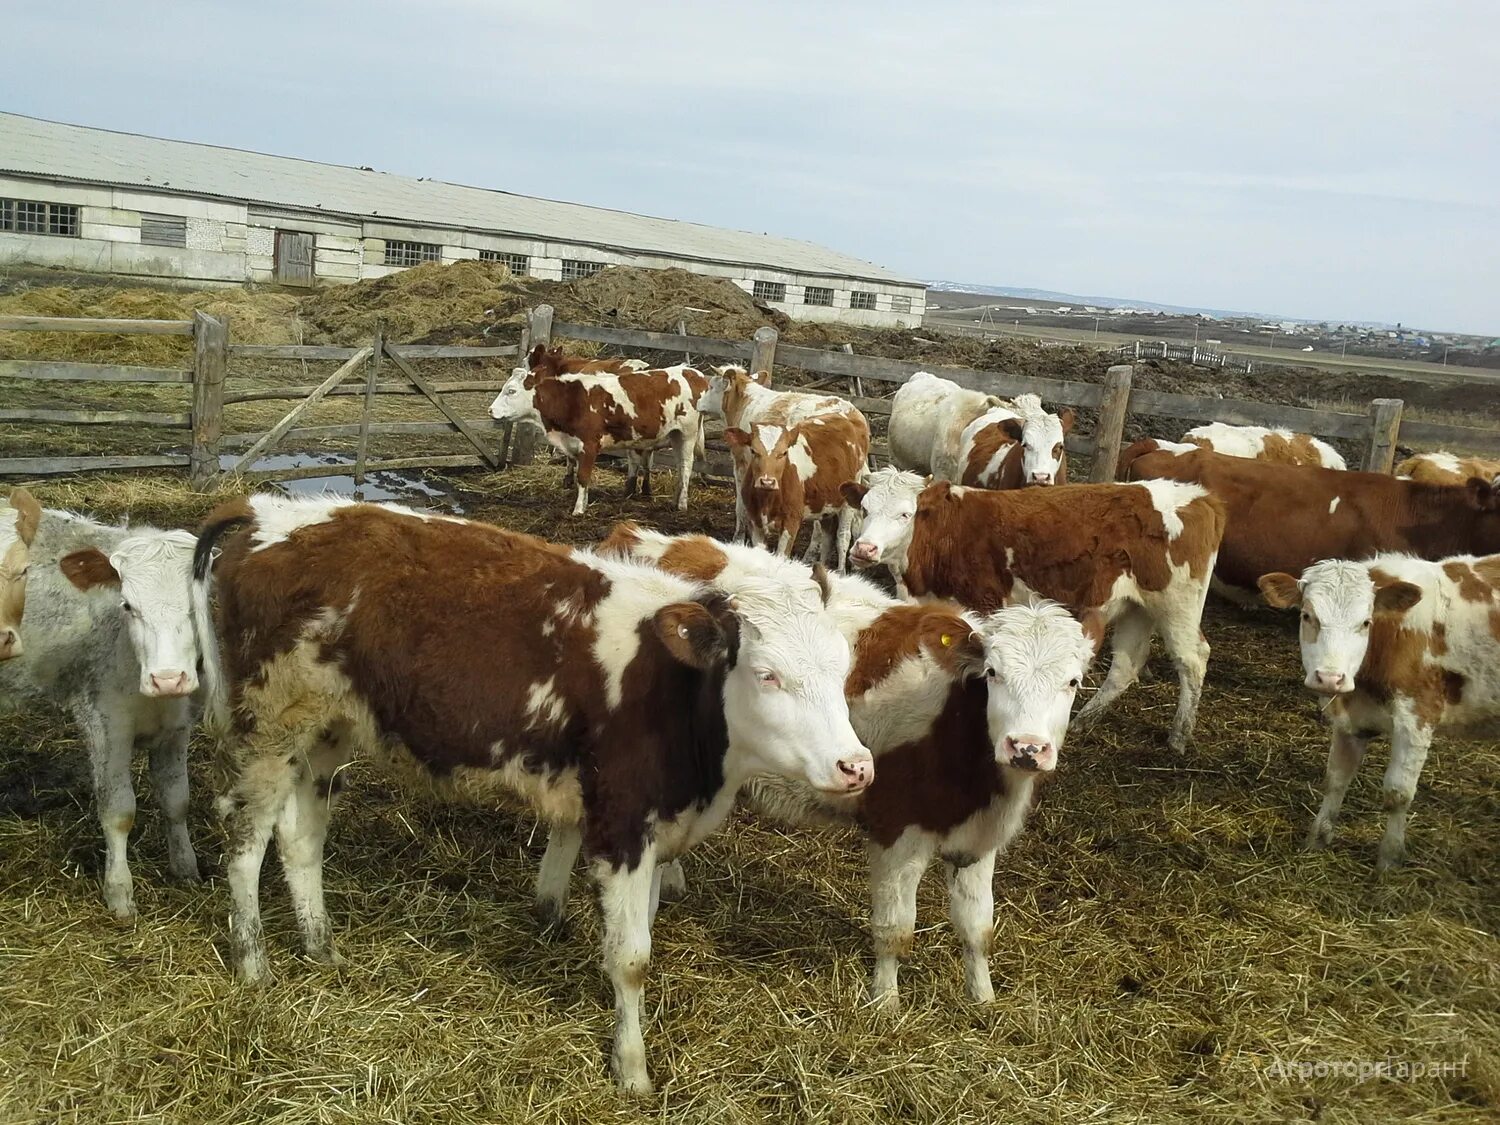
point(1338, 158)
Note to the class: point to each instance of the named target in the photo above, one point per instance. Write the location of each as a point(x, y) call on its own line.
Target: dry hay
point(1160, 942)
point(429, 303)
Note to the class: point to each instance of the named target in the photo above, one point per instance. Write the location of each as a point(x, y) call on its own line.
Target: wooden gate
point(294, 257)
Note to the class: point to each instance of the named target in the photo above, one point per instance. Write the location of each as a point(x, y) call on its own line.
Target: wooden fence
point(384, 368)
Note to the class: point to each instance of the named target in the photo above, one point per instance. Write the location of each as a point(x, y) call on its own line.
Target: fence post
point(762, 349)
point(518, 444)
point(210, 365)
point(1114, 405)
point(372, 374)
point(1385, 425)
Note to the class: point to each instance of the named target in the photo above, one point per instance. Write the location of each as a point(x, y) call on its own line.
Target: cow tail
point(215, 691)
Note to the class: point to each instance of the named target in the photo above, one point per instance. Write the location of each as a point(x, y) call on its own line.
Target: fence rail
point(386, 368)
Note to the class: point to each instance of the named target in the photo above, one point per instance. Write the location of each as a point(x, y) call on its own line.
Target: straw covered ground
point(1162, 944)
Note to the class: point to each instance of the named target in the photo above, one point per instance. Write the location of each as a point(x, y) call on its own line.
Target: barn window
point(164, 230)
point(401, 253)
point(769, 291)
point(574, 268)
point(901, 304)
point(26, 216)
point(817, 295)
point(518, 264)
point(860, 299)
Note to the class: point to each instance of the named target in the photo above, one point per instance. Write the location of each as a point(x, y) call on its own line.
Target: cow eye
point(1073, 683)
point(127, 607)
point(992, 674)
point(1307, 618)
point(767, 678)
point(1365, 625)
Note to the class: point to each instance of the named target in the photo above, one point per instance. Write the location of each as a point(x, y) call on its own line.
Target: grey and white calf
point(110, 637)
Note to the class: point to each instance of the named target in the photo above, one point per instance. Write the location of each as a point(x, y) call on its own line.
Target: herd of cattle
point(630, 692)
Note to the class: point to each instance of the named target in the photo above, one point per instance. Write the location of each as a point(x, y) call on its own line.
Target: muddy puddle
point(407, 488)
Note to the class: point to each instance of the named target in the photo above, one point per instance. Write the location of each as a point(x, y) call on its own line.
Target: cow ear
point(537, 354)
point(1012, 428)
point(88, 568)
point(1095, 625)
point(1481, 494)
point(28, 514)
point(692, 635)
point(956, 643)
point(736, 437)
point(621, 541)
point(1396, 597)
point(940, 489)
point(761, 377)
point(1067, 418)
point(820, 576)
point(1280, 591)
point(854, 492)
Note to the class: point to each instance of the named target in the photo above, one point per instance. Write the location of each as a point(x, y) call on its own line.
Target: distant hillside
point(1079, 299)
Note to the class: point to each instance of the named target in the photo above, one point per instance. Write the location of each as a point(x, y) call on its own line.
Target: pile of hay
point(255, 316)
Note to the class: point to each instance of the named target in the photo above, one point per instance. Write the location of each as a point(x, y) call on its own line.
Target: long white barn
point(100, 201)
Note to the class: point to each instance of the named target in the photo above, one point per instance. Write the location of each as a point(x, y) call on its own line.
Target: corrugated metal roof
point(50, 149)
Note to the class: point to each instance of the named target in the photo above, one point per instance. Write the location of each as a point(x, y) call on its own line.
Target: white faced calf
point(888, 501)
point(1401, 647)
point(18, 524)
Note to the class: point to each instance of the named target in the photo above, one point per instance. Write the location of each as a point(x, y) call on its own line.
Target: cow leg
point(842, 537)
point(625, 903)
point(971, 908)
point(550, 903)
point(1130, 644)
point(632, 466)
point(301, 830)
point(570, 477)
point(168, 748)
point(1345, 752)
point(107, 731)
point(262, 785)
point(686, 447)
point(645, 458)
point(1183, 638)
point(894, 874)
point(586, 458)
point(814, 551)
point(673, 882)
point(1409, 745)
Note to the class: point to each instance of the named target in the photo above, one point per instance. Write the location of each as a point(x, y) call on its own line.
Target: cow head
point(1340, 601)
point(784, 665)
point(516, 401)
point(730, 380)
point(767, 449)
point(151, 574)
point(1034, 661)
point(1043, 457)
point(18, 524)
point(887, 498)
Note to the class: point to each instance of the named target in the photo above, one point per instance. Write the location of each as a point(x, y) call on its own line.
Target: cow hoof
point(1318, 838)
point(121, 904)
point(1387, 863)
point(551, 919)
point(1178, 743)
point(885, 1003)
point(632, 1078)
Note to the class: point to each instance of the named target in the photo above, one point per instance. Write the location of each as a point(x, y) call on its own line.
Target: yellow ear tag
point(947, 639)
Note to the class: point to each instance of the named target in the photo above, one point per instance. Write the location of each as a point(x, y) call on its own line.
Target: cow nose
point(1332, 681)
point(169, 683)
point(1041, 478)
point(766, 481)
point(857, 773)
point(1030, 752)
point(10, 643)
point(864, 551)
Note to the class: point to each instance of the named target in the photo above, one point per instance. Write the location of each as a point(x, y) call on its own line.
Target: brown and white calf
point(110, 636)
point(964, 717)
point(586, 411)
point(1013, 446)
point(1402, 647)
point(627, 705)
point(1286, 517)
point(1257, 443)
point(746, 402)
point(1447, 468)
point(1141, 555)
point(798, 472)
point(18, 524)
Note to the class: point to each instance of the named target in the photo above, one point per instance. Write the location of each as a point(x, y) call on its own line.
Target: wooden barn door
point(294, 257)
